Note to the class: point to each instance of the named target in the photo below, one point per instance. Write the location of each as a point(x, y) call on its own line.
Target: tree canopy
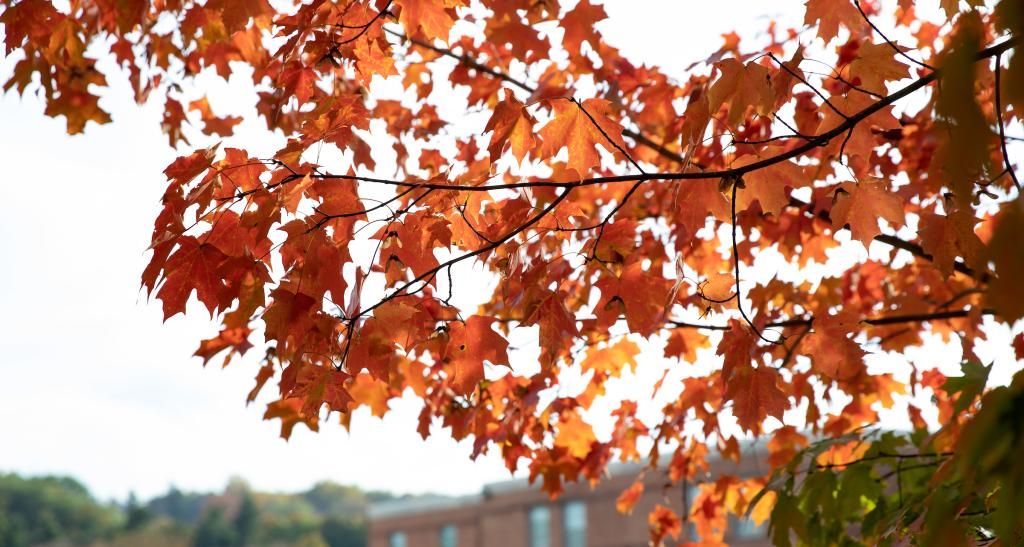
point(770, 216)
point(59, 511)
point(40, 510)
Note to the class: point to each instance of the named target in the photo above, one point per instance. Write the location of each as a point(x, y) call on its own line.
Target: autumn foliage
point(780, 212)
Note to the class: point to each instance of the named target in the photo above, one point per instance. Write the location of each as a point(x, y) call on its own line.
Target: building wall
point(500, 517)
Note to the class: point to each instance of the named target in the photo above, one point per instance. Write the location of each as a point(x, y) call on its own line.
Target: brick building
point(516, 514)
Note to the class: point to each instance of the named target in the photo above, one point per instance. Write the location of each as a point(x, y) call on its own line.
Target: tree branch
point(1002, 129)
point(892, 44)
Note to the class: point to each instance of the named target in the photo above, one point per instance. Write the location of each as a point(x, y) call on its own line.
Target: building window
point(540, 526)
point(397, 539)
point(574, 517)
point(746, 529)
point(449, 536)
point(690, 531)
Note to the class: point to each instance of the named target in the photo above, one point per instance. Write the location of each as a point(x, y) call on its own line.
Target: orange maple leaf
point(663, 522)
point(289, 411)
point(862, 205)
point(946, 237)
point(430, 16)
point(830, 348)
point(874, 65)
point(756, 394)
point(737, 349)
point(572, 128)
point(512, 128)
point(641, 295)
point(574, 434)
point(236, 338)
point(830, 14)
point(742, 86)
point(610, 360)
point(1006, 293)
point(469, 345)
point(628, 498)
point(367, 391)
point(579, 25)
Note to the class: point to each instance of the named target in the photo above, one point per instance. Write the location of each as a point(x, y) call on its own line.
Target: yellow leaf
point(610, 360)
point(428, 15)
point(575, 435)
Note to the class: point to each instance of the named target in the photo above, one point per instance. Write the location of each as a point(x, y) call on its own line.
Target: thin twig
point(606, 136)
point(736, 182)
point(808, 84)
point(892, 44)
point(1002, 129)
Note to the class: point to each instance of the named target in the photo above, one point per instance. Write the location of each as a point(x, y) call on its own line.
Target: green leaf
point(858, 490)
point(786, 516)
point(968, 386)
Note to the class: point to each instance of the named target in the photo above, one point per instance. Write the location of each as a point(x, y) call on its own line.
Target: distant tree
point(136, 516)
point(286, 519)
point(247, 519)
point(180, 506)
point(330, 498)
point(60, 512)
point(342, 532)
point(310, 540)
point(158, 533)
point(214, 530)
point(39, 510)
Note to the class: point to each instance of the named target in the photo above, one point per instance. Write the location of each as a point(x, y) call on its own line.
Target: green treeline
point(60, 511)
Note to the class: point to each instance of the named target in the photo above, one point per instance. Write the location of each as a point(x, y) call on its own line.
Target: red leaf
point(737, 347)
point(236, 339)
point(512, 128)
point(756, 394)
point(579, 25)
point(193, 266)
point(663, 522)
point(469, 345)
point(298, 81)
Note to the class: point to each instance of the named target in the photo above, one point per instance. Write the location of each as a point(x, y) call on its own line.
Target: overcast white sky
point(93, 384)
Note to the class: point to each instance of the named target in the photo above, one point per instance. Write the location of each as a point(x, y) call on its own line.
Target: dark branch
point(896, 48)
point(1002, 129)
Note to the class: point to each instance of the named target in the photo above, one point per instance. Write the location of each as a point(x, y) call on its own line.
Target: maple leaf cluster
point(608, 201)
